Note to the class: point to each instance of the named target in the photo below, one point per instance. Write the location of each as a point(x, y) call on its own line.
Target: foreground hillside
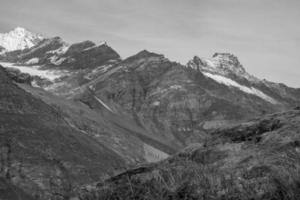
point(40, 153)
point(259, 159)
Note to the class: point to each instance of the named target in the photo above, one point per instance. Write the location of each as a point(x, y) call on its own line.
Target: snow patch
point(60, 61)
point(231, 83)
point(32, 61)
point(34, 84)
point(92, 47)
point(152, 154)
point(61, 50)
point(35, 71)
point(176, 87)
point(56, 61)
point(103, 104)
point(210, 62)
point(56, 85)
point(100, 69)
point(95, 46)
point(156, 103)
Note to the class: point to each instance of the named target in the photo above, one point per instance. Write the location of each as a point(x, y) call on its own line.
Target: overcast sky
point(264, 34)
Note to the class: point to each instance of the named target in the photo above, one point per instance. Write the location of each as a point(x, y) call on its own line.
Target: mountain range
point(75, 114)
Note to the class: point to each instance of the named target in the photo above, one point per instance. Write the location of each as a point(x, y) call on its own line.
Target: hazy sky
point(264, 34)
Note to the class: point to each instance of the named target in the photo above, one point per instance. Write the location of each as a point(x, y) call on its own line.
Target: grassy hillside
point(255, 160)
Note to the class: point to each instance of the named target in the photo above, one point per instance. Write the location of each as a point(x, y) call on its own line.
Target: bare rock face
point(88, 55)
point(254, 160)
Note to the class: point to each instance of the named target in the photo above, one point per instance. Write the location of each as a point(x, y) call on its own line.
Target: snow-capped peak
point(220, 62)
point(229, 62)
point(19, 30)
point(19, 39)
point(223, 64)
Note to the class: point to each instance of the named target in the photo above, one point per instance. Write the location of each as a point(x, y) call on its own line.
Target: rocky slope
point(40, 152)
point(254, 160)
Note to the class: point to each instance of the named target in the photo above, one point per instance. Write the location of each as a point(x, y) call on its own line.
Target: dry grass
point(223, 169)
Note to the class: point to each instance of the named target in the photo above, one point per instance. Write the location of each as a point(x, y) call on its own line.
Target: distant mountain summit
point(18, 39)
point(224, 64)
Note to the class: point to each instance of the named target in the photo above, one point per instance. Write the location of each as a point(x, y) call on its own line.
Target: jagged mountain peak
point(225, 64)
point(19, 39)
point(19, 30)
point(220, 62)
point(144, 54)
point(228, 61)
